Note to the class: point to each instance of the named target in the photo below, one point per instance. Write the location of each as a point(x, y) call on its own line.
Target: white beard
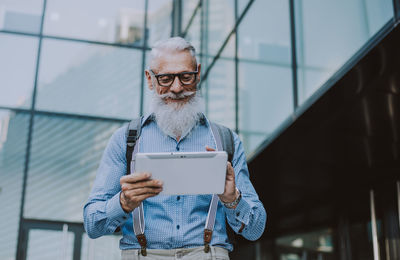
point(176, 119)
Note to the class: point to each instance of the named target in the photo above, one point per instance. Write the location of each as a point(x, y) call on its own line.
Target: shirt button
point(177, 148)
point(124, 217)
point(178, 198)
point(237, 214)
point(178, 227)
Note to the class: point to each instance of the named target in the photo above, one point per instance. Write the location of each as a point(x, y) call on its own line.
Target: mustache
point(177, 96)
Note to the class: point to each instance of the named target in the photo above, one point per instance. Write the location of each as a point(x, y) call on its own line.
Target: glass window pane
point(193, 34)
point(251, 140)
point(17, 70)
point(330, 32)
point(378, 13)
point(271, 41)
point(102, 248)
point(310, 79)
point(50, 245)
point(89, 79)
point(188, 10)
point(119, 21)
point(219, 91)
point(265, 98)
point(64, 158)
point(13, 139)
point(147, 92)
point(221, 20)
point(242, 4)
point(159, 20)
point(21, 15)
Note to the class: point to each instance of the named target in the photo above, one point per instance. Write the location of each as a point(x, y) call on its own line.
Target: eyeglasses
point(185, 78)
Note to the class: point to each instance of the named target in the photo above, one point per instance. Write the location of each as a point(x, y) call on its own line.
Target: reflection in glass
point(159, 20)
point(320, 240)
point(271, 42)
point(265, 97)
point(13, 138)
point(330, 32)
point(105, 247)
point(50, 245)
point(64, 158)
point(22, 15)
point(311, 245)
point(89, 79)
point(118, 21)
point(17, 70)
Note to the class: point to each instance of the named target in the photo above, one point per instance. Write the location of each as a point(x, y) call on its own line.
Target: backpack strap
point(226, 138)
point(132, 135)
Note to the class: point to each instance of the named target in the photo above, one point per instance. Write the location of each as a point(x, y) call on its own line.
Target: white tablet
point(185, 173)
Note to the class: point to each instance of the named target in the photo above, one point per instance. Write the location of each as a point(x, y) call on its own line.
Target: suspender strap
point(212, 211)
point(132, 135)
point(228, 144)
point(209, 227)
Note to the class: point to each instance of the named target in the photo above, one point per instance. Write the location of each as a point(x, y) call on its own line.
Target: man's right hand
point(137, 187)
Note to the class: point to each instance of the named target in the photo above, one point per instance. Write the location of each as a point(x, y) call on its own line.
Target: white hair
point(171, 44)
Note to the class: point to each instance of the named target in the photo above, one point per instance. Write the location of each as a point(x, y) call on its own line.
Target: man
point(174, 225)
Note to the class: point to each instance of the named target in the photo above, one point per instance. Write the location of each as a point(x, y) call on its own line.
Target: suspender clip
point(206, 248)
point(207, 240)
point(143, 244)
point(143, 251)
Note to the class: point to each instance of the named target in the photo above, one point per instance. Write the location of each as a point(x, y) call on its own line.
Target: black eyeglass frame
point(175, 75)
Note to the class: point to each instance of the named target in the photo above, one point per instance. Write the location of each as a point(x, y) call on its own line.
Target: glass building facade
point(72, 72)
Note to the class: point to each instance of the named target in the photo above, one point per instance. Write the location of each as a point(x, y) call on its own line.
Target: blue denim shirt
point(170, 221)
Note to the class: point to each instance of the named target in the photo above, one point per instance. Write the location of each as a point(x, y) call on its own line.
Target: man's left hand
point(230, 192)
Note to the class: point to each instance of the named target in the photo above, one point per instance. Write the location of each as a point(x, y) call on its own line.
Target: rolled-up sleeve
point(249, 216)
point(103, 213)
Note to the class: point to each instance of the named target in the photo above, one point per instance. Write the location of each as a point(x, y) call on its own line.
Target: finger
point(134, 195)
point(143, 191)
point(230, 172)
point(136, 200)
point(229, 167)
point(209, 149)
point(135, 177)
point(142, 184)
